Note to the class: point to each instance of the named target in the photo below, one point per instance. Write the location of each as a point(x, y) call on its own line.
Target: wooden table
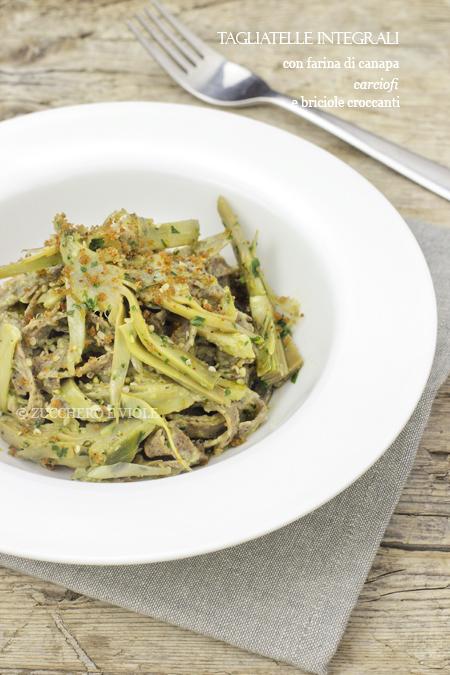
point(56, 53)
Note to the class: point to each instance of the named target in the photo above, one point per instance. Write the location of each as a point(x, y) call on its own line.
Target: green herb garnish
point(197, 321)
point(255, 265)
point(58, 450)
point(284, 328)
point(90, 304)
point(96, 243)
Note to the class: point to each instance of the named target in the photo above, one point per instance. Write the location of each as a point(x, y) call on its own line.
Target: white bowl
point(327, 237)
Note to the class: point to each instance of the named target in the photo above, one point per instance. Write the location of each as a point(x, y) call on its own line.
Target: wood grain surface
point(56, 52)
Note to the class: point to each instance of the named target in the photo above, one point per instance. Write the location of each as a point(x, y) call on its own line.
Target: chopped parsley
point(255, 265)
point(227, 392)
point(198, 321)
point(96, 243)
point(58, 450)
point(284, 328)
point(174, 230)
point(294, 376)
point(83, 268)
point(164, 243)
point(90, 304)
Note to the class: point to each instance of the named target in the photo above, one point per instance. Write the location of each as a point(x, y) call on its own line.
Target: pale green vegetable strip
point(84, 407)
point(150, 413)
point(173, 234)
point(62, 448)
point(137, 365)
point(143, 355)
point(190, 309)
point(45, 257)
point(9, 337)
point(271, 360)
point(228, 306)
point(165, 397)
point(76, 319)
point(145, 234)
point(289, 309)
point(235, 344)
point(212, 245)
point(119, 441)
point(293, 357)
point(76, 314)
point(122, 470)
point(160, 347)
point(37, 452)
point(120, 362)
point(234, 391)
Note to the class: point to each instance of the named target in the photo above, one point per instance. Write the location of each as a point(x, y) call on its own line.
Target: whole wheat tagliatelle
point(134, 350)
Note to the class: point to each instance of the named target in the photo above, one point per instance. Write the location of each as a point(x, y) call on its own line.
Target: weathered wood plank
point(399, 625)
point(402, 620)
point(427, 491)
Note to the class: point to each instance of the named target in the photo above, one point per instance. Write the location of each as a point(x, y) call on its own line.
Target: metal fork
point(206, 74)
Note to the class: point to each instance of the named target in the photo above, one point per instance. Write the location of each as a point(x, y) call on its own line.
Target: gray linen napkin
point(287, 595)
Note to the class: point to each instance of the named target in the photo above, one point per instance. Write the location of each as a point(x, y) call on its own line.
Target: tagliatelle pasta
point(134, 350)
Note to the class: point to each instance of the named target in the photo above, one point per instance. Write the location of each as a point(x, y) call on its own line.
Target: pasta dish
point(135, 350)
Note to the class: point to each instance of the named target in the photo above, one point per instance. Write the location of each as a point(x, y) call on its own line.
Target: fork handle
point(430, 175)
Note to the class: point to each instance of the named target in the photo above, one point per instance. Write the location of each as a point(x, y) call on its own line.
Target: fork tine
point(200, 47)
point(179, 59)
point(189, 53)
point(160, 57)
